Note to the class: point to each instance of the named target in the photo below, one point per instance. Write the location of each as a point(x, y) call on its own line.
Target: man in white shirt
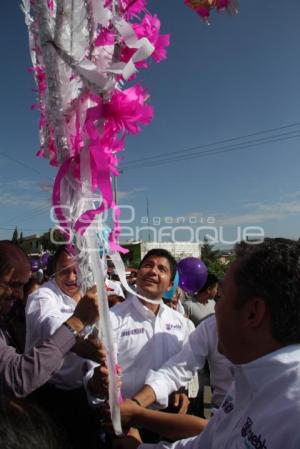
point(202, 345)
point(47, 308)
point(258, 321)
point(146, 334)
point(21, 374)
point(63, 397)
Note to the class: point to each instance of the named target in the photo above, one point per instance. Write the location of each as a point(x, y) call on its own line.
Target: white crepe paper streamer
point(106, 333)
point(54, 97)
point(102, 15)
point(98, 267)
point(31, 25)
point(25, 7)
point(143, 46)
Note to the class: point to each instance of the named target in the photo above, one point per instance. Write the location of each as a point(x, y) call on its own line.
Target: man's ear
point(209, 290)
point(255, 312)
point(170, 286)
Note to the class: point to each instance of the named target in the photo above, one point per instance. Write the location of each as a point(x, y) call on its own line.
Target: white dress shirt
point(46, 309)
point(202, 345)
point(144, 340)
point(262, 410)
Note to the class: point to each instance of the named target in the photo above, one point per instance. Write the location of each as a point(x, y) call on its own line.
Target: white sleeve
point(42, 319)
point(187, 330)
point(187, 443)
point(180, 368)
point(49, 326)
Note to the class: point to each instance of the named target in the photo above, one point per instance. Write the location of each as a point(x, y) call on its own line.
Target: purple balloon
point(44, 259)
point(34, 265)
point(192, 274)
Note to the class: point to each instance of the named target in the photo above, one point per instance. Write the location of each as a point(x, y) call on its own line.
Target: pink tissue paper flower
point(149, 27)
point(127, 110)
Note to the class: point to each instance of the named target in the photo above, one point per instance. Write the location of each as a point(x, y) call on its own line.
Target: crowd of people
point(243, 332)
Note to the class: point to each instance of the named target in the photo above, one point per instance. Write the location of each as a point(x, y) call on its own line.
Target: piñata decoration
point(203, 7)
point(83, 52)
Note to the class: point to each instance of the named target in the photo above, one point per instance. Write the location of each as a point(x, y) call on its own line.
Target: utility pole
point(115, 188)
point(148, 216)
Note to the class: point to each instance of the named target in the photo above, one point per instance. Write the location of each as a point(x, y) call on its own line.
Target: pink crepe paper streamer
point(99, 164)
point(105, 37)
point(50, 4)
point(123, 114)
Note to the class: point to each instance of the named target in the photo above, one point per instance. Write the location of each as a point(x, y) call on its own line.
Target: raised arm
point(168, 425)
point(21, 374)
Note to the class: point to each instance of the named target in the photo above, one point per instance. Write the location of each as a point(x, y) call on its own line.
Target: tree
point(213, 261)
point(217, 267)
point(208, 254)
point(21, 238)
point(15, 236)
point(47, 242)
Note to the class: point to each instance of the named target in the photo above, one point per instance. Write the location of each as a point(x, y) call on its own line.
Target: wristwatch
point(71, 329)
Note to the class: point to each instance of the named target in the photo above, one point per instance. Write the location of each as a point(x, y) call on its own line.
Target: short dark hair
point(60, 250)
point(24, 425)
point(271, 270)
point(211, 280)
point(160, 252)
point(11, 255)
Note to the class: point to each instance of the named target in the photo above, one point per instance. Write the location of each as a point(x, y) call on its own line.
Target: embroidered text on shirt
point(132, 332)
point(170, 326)
point(256, 441)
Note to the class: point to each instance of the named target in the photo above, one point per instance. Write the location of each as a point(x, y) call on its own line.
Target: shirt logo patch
point(227, 405)
point(170, 326)
point(132, 332)
point(256, 441)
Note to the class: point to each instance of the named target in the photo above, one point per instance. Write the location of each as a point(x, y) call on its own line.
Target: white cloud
point(22, 192)
point(292, 195)
point(12, 199)
point(45, 186)
point(23, 184)
point(256, 212)
point(129, 194)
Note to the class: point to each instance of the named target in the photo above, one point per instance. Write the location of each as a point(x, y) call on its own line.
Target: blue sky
point(237, 77)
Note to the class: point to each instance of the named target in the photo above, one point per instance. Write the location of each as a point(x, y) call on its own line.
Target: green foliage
point(216, 267)
point(214, 261)
point(46, 242)
point(208, 254)
point(15, 236)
